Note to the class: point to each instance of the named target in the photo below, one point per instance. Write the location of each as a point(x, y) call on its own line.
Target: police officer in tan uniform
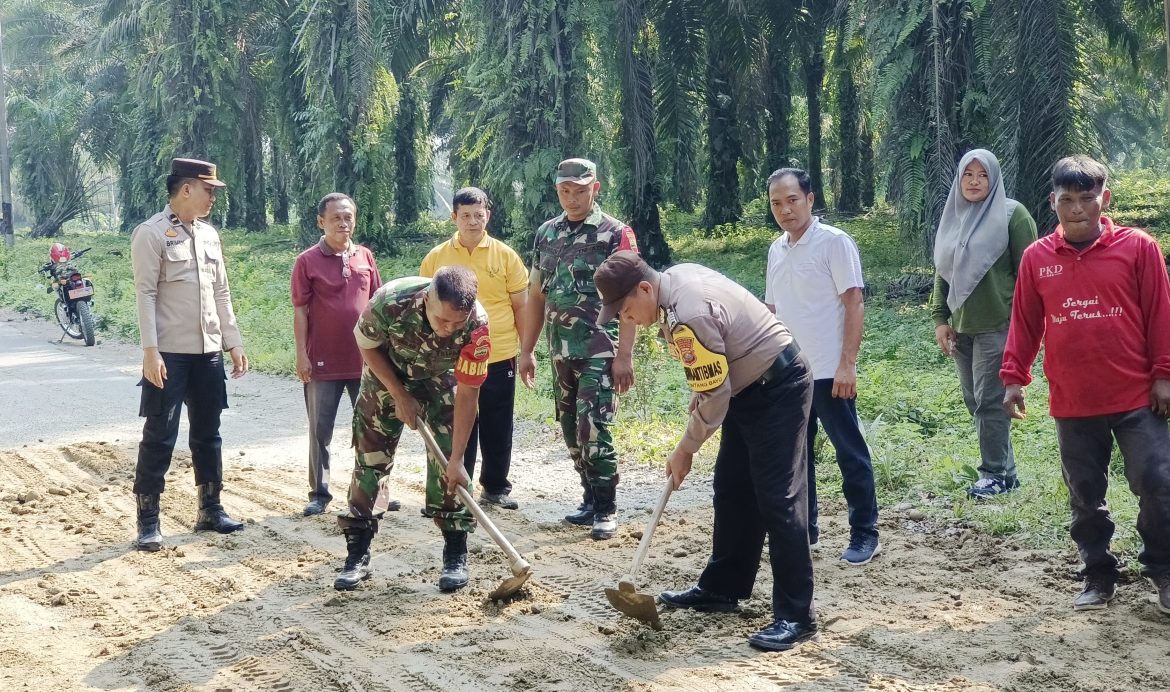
point(186, 322)
point(748, 379)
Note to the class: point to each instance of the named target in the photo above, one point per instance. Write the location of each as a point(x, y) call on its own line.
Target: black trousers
point(761, 488)
point(1086, 445)
point(199, 381)
point(492, 431)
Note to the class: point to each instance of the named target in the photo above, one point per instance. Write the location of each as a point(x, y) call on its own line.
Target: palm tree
point(636, 129)
point(811, 39)
point(49, 106)
point(733, 43)
point(523, 102)
point(678, 77)
point(781, 18)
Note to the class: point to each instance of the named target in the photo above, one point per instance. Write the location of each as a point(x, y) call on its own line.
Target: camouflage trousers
point(376, 432)
point(585, 407)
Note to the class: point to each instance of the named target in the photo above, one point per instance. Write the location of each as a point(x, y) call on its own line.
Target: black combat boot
point(604, 513)
point(149, 535)
point(357, 563)
point(454, 574)
point(584, 514)
point(211, 514)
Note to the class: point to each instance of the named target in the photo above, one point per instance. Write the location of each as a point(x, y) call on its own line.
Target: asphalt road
point(60, 392)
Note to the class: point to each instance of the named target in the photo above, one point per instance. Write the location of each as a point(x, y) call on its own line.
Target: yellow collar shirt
point(500, 273)
point(181, 287)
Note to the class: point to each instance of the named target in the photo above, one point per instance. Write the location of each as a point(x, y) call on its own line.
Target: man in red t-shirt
point(331, 284)
point(1098, 297)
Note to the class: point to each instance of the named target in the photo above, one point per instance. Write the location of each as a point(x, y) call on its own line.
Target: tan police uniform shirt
point(725, 338)
point(181, 287)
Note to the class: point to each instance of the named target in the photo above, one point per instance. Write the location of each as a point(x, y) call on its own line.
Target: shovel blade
point(509, 586)
point(639, 606)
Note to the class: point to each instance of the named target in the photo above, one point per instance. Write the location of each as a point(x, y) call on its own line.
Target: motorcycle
point(74, 306)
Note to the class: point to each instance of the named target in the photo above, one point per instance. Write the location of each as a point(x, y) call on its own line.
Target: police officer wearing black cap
point(748, 379)
point(186, 322)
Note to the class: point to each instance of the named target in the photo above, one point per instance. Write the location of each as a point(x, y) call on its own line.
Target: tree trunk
point(347, 177)
point(192, 89)
point(636, 131)
point(814, 77)
point(1046, 68)
point(778, 132)
point(301, 174)
point(723, 145)
point(867, 173)
point(254, 197)
point(235, 207)
point(1166, 12)
point(406, 196)
point(848, 132)
point(279, 182)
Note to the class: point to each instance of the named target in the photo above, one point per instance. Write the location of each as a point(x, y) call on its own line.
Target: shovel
point(521, 570)
point(639, 605)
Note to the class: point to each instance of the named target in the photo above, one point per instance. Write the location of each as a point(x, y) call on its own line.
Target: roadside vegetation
point(925, 451)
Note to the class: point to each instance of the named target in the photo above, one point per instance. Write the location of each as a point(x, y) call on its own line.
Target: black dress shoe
point(782, 635)
point(699, 599)
point(583, 516)
point(317, 506)
point(503, 500)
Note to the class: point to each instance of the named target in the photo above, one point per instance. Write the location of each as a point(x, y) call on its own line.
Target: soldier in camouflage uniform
point(419, 338)
point(590, 360)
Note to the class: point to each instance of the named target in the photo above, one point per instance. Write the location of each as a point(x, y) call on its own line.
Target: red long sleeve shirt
point(1103, 314)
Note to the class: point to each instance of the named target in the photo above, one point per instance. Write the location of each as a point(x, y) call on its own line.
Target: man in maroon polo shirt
point(331, 284)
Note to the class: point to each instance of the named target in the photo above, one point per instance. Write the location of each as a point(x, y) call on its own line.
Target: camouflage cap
point(580, 171)
point(194, 168)
point(616, 278)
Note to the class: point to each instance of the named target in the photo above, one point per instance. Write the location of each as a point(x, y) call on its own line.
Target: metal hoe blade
point(637, 605)
point(521, 570)
point(625, 598)
point(510, 585)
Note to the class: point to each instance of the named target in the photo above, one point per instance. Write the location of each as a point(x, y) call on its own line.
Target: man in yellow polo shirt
point(503, 292)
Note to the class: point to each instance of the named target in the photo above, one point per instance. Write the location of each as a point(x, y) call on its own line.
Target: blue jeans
point(978, 358)
point(839, 418)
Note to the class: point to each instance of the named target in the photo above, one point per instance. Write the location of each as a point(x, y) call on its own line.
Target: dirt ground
point(943, 608)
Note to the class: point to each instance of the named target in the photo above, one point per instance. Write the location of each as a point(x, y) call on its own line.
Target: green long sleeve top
point(989, 307)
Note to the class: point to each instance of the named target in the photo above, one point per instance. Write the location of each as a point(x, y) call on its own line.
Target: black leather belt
point(779, 367)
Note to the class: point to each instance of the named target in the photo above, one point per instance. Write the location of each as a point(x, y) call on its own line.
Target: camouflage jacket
point(395, 319)
point(566, 260)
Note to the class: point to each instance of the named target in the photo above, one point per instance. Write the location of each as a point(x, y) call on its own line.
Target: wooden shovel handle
point(644, 545)
point(517, 562)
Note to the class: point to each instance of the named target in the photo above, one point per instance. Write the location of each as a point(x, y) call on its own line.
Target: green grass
point(925, 451)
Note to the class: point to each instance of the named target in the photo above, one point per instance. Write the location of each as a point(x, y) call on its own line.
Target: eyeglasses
point(345, 272)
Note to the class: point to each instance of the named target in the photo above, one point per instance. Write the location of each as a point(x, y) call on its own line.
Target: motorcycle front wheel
point(85, 318)
point(70, 325)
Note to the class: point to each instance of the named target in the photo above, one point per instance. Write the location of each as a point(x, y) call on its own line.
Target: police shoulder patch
point(705, 370)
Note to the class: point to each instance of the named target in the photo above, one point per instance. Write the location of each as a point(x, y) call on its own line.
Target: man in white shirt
point(815, 287)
